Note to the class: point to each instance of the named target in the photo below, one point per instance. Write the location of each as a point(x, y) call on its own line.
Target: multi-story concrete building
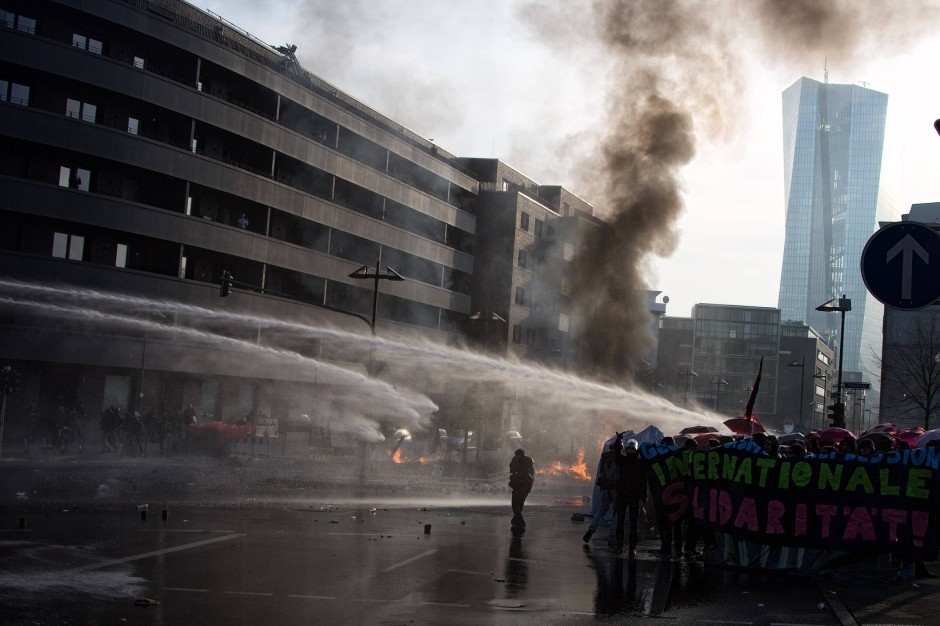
point(149, 147)
point(711, 359)
point(806, 376)
point(835, 196)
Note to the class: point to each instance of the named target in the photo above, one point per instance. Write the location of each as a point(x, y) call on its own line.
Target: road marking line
point(373, 600)
point(247, 593)
point(185, 589)
point(459, 606)
point(183, 530)
point(293, 595)
point(359, 534)
point(145, 555)
point(408, 561)
point(469, 571)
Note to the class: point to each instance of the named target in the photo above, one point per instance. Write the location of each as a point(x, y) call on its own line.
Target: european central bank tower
point(833, 140)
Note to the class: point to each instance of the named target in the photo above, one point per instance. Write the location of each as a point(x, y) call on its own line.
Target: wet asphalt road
point(294, 563)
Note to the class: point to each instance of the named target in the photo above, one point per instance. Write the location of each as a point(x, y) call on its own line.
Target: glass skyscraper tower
point(833, 140)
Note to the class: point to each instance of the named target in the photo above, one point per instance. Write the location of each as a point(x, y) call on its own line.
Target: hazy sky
point(531, 83)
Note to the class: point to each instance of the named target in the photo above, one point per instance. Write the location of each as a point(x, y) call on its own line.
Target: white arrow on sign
point(908, 247)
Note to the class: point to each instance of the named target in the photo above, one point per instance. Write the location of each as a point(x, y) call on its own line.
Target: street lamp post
point(842, 305)
point(688, 373)
point(825, 378)
point(718, 382)
point(363, 273)
point(484, 319)
point(801, 363)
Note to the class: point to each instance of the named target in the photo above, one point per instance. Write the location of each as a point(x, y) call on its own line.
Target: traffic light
point(226, 283)
point(836, 414)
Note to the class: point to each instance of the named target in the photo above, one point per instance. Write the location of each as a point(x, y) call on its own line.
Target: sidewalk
point(915, 601)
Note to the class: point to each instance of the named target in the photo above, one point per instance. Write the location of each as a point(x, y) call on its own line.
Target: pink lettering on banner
point(712, 505)
point(697, 511)
point(826, 511)
point(860, 524)
point(747, 515)
point(775, 511)
point(724, 507)
point(799, 521)
point(674, 496)
point(893, 518)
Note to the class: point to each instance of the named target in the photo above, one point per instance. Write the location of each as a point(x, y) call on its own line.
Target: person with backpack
point(608, 477)
point(631, 491)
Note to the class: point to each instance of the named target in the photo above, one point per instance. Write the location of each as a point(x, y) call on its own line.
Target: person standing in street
point(631, 491)
point(607, 481)
point(521, 477)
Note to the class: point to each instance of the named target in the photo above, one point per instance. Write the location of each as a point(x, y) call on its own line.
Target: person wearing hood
point(631, 491)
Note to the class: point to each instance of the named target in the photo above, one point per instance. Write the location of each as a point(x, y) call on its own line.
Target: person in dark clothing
point(521, 477)
point(670, 531)
point(631, 491)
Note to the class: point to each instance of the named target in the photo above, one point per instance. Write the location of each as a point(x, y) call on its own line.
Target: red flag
point(749, 411)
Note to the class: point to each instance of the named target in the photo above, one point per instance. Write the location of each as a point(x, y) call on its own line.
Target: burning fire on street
point(398, 458)
point(557, 468)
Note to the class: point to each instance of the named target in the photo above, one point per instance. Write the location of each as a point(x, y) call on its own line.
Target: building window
point(74, 178)
point(516, 333)
point(520, 296)
point(538, 229)
point(133, 125)
point(120, 257)
point(86, 43)
point(524, 221)
point(139, 63)
point(182, 267)
point(20, 22)
point(83, 110)
point(68, 246)
point(523, 258)
point(14, 92)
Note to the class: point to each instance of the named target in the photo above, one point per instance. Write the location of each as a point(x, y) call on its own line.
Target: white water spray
point(559, 405)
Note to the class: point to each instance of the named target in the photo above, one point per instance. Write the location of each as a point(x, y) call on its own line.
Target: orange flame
point(557, 468)
point(396, 458)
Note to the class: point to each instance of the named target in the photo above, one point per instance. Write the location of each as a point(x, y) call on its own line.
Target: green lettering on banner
point(887, 489)
point(829, 478)
point(918, 483)
point(784, 481)
point(698, 466)
point(714, 460)
point(677, 466)
point(765, 465)
point(728, 465)
point(744, 472)
point(860, 478)
point(659, 473)
point(802, 474)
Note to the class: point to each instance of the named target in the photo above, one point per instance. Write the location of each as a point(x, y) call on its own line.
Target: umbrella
point(697, 430)
point(881, 441)
point(882, 428)
point(701, 439)
point(650, 434)
point(833, 435)
point(910, 435)
point(790, 438)
point(744, 426)
point(927, 437)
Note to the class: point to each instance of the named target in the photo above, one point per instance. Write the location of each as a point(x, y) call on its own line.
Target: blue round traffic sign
point(900, 265)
